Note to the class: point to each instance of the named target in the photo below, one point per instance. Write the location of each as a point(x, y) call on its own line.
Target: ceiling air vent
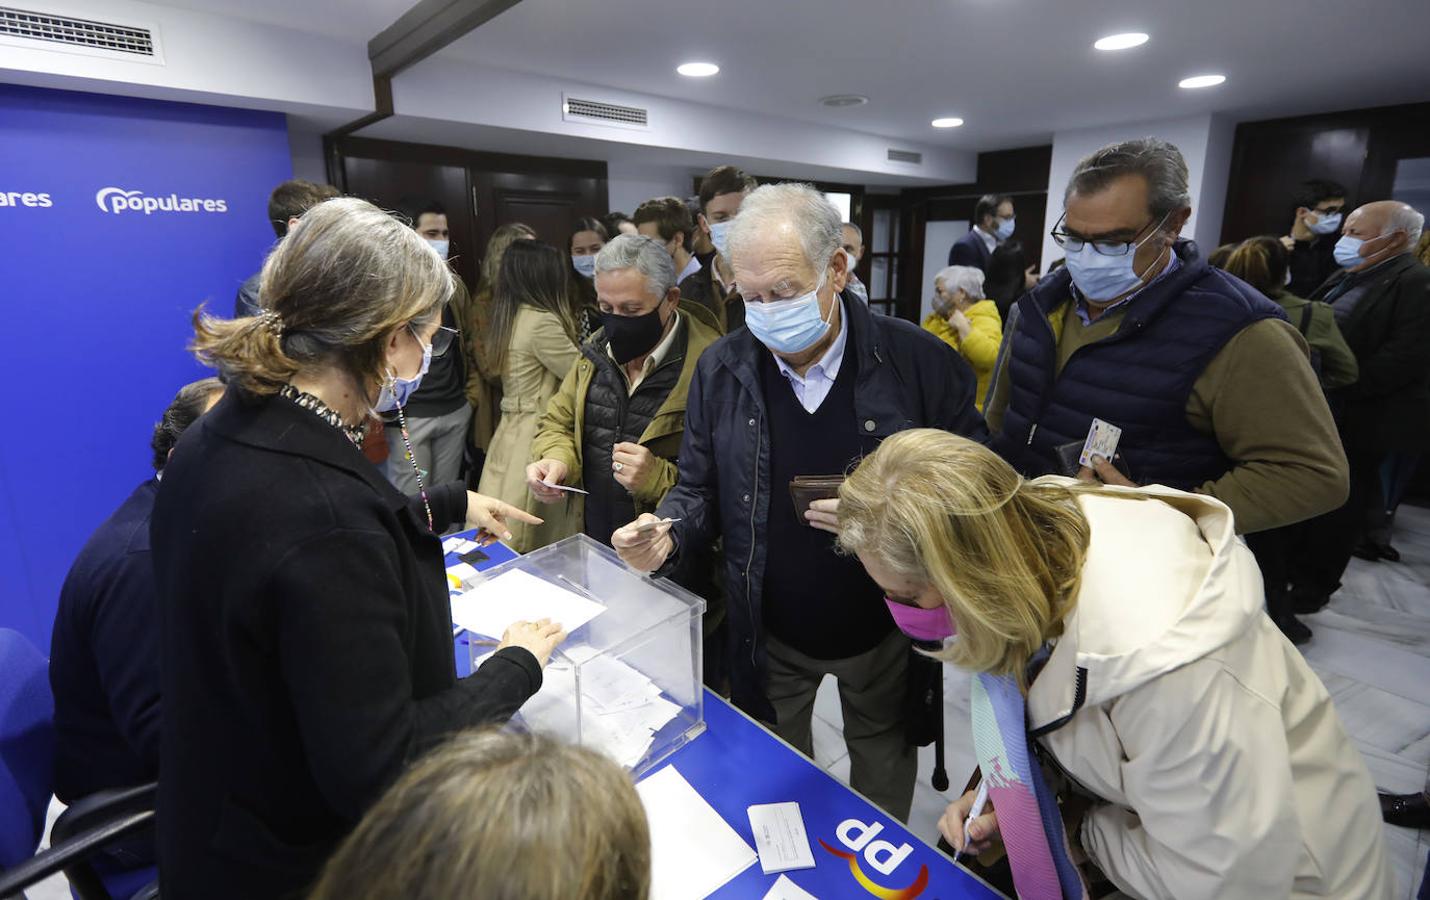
point(598, 112)
point(25, 28)
point(908, 156)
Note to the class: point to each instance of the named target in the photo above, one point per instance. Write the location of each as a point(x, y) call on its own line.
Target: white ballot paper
point(517, 596)
point(784, 889)
point(780, 837)
point(458, 545)
point(565, 487)
point(694, 852)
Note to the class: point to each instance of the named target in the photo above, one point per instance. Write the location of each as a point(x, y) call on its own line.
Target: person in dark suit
point(992, 224)
point(104, 653)
point(1381, 298)
point(305, 625)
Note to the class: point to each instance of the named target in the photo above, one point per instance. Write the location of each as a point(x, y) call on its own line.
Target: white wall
point(207, 59)
point(938, 238)
point(631, 183)
point(1205, 142)
point(306, 147)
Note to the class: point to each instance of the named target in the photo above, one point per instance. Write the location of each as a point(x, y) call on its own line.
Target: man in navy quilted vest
point(1211, 386)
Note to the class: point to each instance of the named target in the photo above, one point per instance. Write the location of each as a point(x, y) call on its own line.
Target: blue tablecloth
point(737, 763)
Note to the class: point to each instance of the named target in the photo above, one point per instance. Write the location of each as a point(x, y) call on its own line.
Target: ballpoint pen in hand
point(980, 800)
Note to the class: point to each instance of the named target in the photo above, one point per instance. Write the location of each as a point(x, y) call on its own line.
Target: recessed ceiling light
point(1201, 81)
point(950, 122)
point(1121, 41)
point(839, 101)
point(697, 69)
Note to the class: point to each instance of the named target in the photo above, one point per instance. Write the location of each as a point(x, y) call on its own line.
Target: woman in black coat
point(306, 632)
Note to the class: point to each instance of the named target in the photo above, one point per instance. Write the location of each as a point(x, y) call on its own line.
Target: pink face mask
point(922, 624)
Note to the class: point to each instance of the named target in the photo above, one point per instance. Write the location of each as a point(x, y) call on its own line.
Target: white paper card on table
point(458, 545)
point(780, 838)
point(565, 487)
point(518, 596)
point(784, 889)
point(694, 852)
point(463, 572)
point(1101, 441)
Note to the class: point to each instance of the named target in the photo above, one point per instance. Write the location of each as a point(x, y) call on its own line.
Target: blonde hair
point(342, 280)
point(1005, 554)
point(500, 816)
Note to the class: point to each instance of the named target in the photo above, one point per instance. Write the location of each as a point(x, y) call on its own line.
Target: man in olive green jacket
point(614, 428)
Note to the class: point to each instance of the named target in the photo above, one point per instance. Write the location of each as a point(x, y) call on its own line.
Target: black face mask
point(632, 336)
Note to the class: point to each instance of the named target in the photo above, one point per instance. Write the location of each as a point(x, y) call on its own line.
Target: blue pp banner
point(118, 217)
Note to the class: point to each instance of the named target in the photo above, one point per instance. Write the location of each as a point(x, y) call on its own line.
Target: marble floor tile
point(1392, 773)
point(826, 702)
point(828, 742)
point(1403, 630)
point(1369, 660)
point(1383, 720)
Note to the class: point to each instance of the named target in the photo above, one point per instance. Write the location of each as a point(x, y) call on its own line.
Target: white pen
point(980, 800)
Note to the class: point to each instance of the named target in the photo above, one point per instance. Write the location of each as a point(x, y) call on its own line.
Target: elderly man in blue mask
point(1210, 385)
point(811, 384)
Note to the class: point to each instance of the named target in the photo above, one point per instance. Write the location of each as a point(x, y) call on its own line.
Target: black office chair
point(83, 829)
point(26, 754)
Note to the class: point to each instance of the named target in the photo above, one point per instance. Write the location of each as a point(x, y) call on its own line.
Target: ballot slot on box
point(627, 679)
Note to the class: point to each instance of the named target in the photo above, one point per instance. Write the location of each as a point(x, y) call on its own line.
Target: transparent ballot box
point(627, 679)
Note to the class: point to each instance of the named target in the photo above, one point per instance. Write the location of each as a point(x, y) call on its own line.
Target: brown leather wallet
point(805, 489)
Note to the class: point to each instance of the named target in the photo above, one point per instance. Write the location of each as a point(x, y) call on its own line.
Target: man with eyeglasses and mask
point(438, 414)
point(1211, 386)
point(993, 223)
point(1320, 206)
point(778, 412)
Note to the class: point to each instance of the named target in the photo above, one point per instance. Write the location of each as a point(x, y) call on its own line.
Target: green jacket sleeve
point(661, 480)
point(556, 435)
point(1338, 362)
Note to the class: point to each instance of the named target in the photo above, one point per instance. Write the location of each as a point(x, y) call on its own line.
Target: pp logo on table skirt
point(882, 856)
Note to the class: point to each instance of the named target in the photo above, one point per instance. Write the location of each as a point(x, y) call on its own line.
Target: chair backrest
point(27, 710)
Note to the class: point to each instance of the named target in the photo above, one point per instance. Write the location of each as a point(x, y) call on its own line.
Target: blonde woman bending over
point(499, 816)
point(1117, 635)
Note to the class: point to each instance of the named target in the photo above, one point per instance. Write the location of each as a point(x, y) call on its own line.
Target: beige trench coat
point(537, 360)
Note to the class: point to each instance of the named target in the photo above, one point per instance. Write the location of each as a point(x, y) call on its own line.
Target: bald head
point(1386, 227)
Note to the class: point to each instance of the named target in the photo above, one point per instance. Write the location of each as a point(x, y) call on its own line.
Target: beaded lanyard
point(412, 458)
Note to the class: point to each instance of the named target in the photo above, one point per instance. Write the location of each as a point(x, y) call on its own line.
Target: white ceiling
point(1015, 70)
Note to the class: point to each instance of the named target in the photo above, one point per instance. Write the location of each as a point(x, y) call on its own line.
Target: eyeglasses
point(1073, 243)
point(442, 339)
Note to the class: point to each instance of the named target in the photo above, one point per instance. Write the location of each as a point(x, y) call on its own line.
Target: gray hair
point(813, 218)
point(646, 255)
point(965, 278)
point(1156, 160)
point(856, 229)
point(1408, 219)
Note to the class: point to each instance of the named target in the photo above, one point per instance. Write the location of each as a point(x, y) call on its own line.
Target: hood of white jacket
point(1165, 582)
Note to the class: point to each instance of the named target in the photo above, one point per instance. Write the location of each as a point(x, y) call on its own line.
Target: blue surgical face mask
point(788, 326)
point(586, 265)
point(1004, 229)
point(1326, 223)
point(1101, 278)
point(397, 391)
point(440, 246)
point(720, 237)
point(1347, 251)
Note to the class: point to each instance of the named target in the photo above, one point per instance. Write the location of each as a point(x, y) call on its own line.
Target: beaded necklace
point(412, 460)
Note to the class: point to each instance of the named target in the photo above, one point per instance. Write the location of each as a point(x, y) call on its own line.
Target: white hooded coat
point(1225, 768)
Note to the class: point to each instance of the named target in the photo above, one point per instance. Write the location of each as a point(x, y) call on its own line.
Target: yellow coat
point(980, 348)
point(537, 360)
